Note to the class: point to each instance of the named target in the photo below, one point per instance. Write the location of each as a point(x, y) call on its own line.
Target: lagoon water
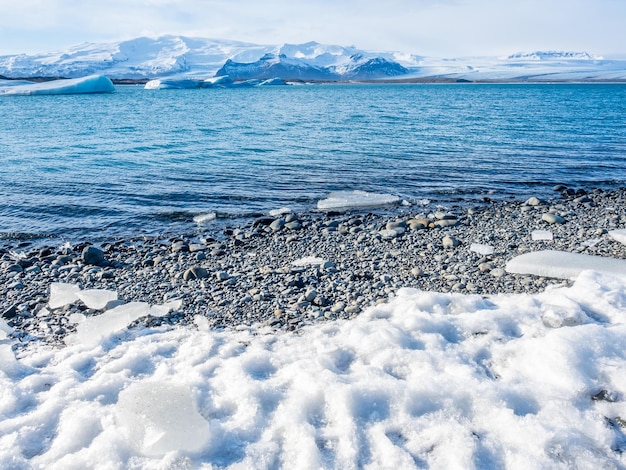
point(138, 161)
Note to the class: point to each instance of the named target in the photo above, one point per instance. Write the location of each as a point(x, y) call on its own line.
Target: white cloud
point(444, 28)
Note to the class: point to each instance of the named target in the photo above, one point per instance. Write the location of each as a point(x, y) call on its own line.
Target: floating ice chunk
point(164, 309)
point(272, 82)
point(203, 218)
point(564, 265)
point(537, 235)
point(93, 329)
point(77, 318)
point(309, 261)
point(618, 235)
point(90, 84)
point(172, 84)
point(96, 299)
point(345, 200)
point(160, 417)
point(62, 294)
point(279, 212)
point(481, 249)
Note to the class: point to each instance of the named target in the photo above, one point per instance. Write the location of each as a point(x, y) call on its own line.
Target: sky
point(438, 28)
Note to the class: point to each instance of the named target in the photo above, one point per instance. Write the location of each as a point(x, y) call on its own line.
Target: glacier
point(84, 85)
point(183, 57)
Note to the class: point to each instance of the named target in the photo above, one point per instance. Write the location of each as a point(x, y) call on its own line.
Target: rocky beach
point(288, 270)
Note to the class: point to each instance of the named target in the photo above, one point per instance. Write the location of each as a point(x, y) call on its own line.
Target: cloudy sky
point(443, 28)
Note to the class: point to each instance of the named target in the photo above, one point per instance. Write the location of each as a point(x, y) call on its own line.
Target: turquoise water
point(141, 161)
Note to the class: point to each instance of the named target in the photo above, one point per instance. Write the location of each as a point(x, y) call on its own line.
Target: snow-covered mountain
point(199, 58)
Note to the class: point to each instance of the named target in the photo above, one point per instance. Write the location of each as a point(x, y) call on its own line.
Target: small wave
point(204, 218)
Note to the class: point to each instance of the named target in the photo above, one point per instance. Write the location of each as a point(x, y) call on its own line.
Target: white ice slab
point(564, 265)
point(538, 235)
point(164, 309)
point(62, 294)
point(618, 235)
point(345, 200)
point(279, 212)
point(481, 249)
point(309, 261)
point(160, 417)
point(96, 299)
point(5, 330)
point(93, 329)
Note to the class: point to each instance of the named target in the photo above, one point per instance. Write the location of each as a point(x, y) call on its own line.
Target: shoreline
point(292, 270)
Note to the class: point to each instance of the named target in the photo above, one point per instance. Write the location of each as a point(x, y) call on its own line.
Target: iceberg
point(85, 85)
point(564, 265)
point(346, 200)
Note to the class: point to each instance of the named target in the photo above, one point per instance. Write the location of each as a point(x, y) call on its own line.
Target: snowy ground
point(427, 380)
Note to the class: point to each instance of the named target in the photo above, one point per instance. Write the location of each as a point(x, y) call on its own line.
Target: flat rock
point(552, 218)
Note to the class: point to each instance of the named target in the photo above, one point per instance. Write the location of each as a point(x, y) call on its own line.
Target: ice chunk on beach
point(280, 211)
point(345, 200)
point(96, 299)
point(90, 84)
point(538, 235)
point(167, 307)
point(309, 261)
point(62, 294)
point(160, 417)
point(618, 235)
point(481, 249)
point(204, 218)
point(564, 265)
point(5, 330)
point(94, 329)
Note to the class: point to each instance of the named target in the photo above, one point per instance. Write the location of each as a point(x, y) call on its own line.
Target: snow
point(91, 84)
point(427, 380)
point(563, 265)
point(346, 200)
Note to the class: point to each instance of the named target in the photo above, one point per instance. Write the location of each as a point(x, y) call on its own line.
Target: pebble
point(246, 274)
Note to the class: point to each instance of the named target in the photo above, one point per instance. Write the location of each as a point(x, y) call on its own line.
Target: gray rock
point(552, 218)
point(195, 272)
point(222, 276)
point(277, 225)
point(533, 201)
point(92, 255)
point(446, 223)
point(450, 242)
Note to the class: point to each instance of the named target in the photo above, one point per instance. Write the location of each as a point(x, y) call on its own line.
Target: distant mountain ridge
point(199, 58)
